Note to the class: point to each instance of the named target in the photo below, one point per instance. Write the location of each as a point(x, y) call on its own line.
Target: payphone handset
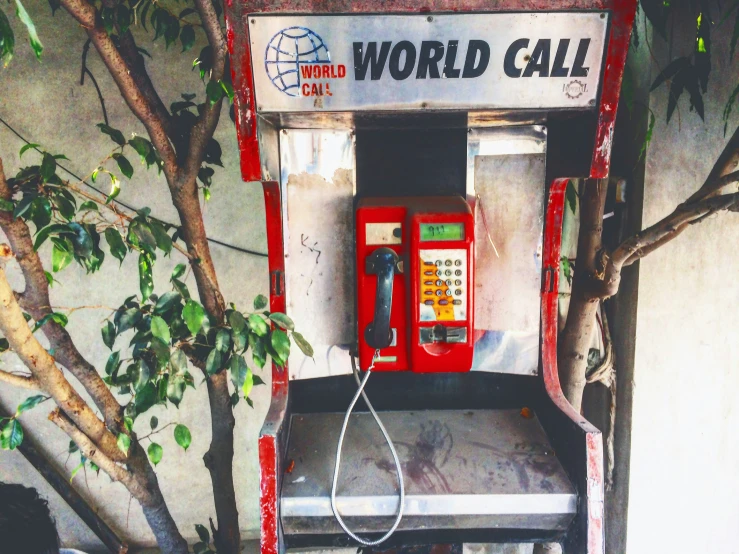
point(415, 288)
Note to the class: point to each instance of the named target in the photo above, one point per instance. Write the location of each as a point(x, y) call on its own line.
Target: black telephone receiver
point(383, 262)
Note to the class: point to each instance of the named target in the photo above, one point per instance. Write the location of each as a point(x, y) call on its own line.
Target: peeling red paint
point(269, 448)
point(623, 12)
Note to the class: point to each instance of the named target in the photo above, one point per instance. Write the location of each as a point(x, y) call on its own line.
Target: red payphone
point(415, 267)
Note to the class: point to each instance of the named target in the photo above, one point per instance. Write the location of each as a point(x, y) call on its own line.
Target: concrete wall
point(45, 103)
point(684, 490)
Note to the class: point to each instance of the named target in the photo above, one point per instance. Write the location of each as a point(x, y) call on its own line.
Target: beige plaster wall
point(45, 102)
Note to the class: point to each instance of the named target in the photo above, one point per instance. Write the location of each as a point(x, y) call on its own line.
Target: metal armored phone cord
point(360, 391)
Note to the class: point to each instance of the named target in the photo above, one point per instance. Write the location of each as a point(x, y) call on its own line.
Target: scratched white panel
point(317, 182)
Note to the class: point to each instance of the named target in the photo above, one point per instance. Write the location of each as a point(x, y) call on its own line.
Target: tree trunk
point(578, 332)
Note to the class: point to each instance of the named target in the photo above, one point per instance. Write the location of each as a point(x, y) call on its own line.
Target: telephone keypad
point(448, 296)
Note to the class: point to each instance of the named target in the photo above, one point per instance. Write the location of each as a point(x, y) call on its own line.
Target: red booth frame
point(622, 18)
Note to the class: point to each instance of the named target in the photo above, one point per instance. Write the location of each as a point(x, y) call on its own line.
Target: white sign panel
point(471, 61)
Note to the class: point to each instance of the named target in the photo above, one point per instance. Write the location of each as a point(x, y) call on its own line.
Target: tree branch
point(35, 300)
point(207, 122)
point(137, 66)
point(22, 381)
point(668, 228)
point(727, 162)
point(50, 379)
point(91, 451)
point(85, 14)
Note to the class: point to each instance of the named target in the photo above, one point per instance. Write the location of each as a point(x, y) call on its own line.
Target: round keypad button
point(458, 272)
point(448, 262)
point(438, 293)
point(448, 292)
point(457, 292)
point(448, 282)
point(458, 282)
point(438, 262)
point(448, 272)
point(457, 262)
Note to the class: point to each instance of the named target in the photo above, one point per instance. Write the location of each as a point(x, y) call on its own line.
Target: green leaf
point(11, 436)
point(258, 380)
point(56, 317)
point(240, 340)
point(281, 344)
point(108, 332)
point(124, 443)
point(128, 423)
point(142, 146)
point(145, 398)
point(30, 403)
point(124, 165)
point(282, 320)
point(144, 374)
point(223, 340)
point(260, 302)
point(213, 362)
point(114, 134)
point(566, 268)
point(248, 383)
point(160, 329)
point(193, 314)
point(60, 258)
point(81, 240)
point(23, 206)
point(89, 206)
point(7, 45)
point(236, 320)
point(22, 14)
point(648, 135)
point(238, 371)
point(182, 436)
point(48, 167)
point(672, 69)
point(178, 361)
point(249, 401)
point(178, 271)
point(128, 319)
point(258, 350)
point(155, 453)
point(27, 147)
point(167, 301)
point(571, 196)
point(115, 243)
point(6, 205)
point(146, 283)
point(303, 344)
point(187, 37)
point(258, 325)
point(163, 240)
point(114, 361)
point(181, 288)
point(154, 422)
point(176, 389)
point(202, 533)
point(228, 89)
point(214, 91)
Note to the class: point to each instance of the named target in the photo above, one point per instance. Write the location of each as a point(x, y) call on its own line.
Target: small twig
point(157, 431)
point(85, 69)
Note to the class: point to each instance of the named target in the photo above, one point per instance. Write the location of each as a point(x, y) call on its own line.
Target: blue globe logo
point(287, 51)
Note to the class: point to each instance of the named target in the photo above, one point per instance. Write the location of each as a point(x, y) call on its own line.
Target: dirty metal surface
point(462, 469)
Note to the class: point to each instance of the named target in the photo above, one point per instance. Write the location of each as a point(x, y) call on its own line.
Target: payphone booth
point(414, 159)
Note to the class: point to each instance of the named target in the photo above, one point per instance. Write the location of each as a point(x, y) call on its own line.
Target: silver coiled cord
point(360, 391)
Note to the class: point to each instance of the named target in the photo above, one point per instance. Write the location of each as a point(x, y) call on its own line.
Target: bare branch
point(85, 14)
point(50, 379)
point(22, 381)
point(668, 228)
point(727, 162)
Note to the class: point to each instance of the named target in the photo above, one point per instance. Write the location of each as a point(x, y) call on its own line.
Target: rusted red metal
point(270, 459)
point(618, 47)
point(550, 375)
